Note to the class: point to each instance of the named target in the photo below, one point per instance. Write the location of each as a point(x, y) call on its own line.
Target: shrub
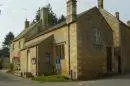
point(11, 68)
point(53, 78)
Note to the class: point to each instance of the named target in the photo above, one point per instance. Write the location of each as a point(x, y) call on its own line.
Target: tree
point(61, 19)
point(7, 40)
point(52, 18)
point(37, 17)
point(6, 45)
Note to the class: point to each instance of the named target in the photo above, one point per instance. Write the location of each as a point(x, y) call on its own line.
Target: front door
point(119, 64)
point(109, 59)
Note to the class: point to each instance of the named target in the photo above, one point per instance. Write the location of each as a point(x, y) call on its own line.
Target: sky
point(14, 12)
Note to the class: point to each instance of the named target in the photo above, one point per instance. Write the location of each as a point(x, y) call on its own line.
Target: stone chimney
point(117, 15)
point(100, 4)
point(26, 24)
point(71, 10)
point(44, 16)
point(128, 23)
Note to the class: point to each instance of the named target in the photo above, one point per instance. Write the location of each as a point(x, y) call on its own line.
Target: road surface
point(11, 80)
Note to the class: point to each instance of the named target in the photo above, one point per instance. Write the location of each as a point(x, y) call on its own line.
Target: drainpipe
point(27, 60)
point(120, 48)
point(36, 60)
point(69, 47)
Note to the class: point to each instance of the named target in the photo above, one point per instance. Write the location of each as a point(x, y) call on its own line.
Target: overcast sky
point(14, 12)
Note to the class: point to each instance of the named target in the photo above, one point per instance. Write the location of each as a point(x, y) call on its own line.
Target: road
point(11, 80)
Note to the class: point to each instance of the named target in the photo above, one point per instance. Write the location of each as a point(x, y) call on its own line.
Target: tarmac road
point(11, 80)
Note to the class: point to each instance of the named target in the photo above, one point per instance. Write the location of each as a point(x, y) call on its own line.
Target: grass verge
point(53, 78)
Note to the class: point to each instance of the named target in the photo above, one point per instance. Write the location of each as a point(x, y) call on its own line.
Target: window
point(13, 47)
point(97, 36)
point(97, 39)
point(33, 60)
point(19, 44)
point(60, 51)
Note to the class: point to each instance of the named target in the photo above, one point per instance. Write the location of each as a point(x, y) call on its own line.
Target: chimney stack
point(44, 16)
point(26, 24)
point(71, 10)
point(117, 15)
point(128, 23)
point(100, 4)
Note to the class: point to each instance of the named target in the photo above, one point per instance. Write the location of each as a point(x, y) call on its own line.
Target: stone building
point(85, 46)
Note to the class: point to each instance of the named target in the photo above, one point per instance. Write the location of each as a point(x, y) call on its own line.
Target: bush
point(11, 68)
point(53, 78)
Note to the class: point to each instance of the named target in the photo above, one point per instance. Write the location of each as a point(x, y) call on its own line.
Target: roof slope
point(39, 41)
point(48, 30)
point(25, 31)
point(111, 20)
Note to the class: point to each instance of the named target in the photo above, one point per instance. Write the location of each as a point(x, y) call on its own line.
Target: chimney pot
point(117, 15)
point(128, 23)
point(26, 23)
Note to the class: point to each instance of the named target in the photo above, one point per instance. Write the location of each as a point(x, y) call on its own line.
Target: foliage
point(4, 52)
point(1, 64)
point(61, 19)
point(52, 17)
point(54, 78)
point(11, 68)
point(7, 40)
point(37, 17)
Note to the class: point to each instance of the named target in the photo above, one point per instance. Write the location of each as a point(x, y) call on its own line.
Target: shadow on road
point(123, 76)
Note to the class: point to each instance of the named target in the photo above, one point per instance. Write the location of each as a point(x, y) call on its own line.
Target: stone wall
point(60, 37)
point(92, 58)
point(23, 61)
point(32, 54)
point(73, 50)
point(125, 48)
point(15, 53)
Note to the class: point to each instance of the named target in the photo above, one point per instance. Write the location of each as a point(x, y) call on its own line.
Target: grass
point(53, 78)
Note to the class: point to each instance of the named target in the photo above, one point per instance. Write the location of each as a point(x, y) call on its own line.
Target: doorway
point(119, 64)
point(109, 59)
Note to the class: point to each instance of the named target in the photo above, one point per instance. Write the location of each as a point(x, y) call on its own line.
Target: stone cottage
point(85, 46)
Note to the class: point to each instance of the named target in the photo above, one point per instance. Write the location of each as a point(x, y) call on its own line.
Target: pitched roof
point(49, 30)
point(51, 37)
point(25, 31)
point(111, 19)
point(59, 25)
point(83, 13)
